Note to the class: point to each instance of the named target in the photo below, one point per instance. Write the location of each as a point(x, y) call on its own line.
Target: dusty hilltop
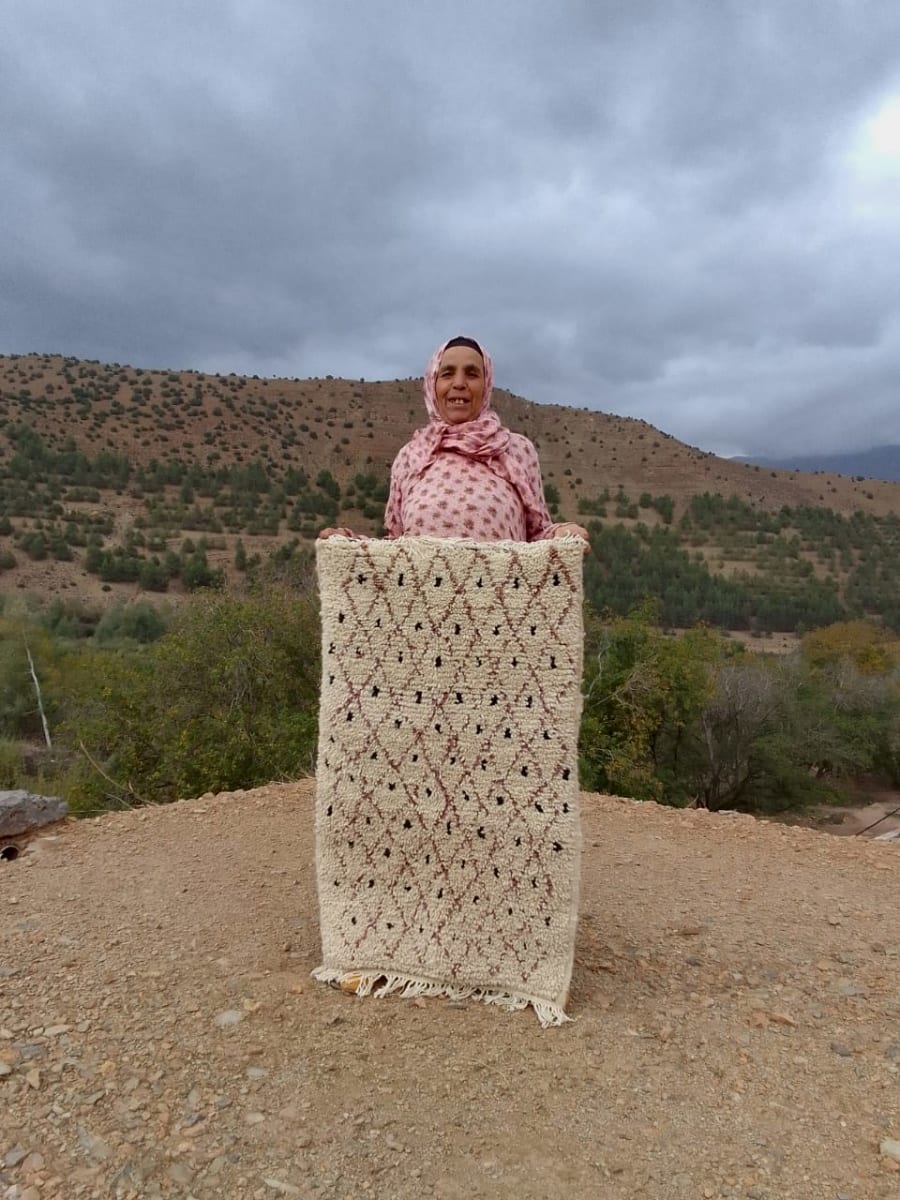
point(737, 1031)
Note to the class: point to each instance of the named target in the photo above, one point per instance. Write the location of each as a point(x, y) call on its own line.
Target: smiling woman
point(459, 386)
point(465, 475)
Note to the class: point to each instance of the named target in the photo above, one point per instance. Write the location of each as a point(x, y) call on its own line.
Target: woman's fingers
point(341, 532)
point(570, 529)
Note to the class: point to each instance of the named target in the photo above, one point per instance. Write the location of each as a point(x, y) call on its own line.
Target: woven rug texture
point(448, 834)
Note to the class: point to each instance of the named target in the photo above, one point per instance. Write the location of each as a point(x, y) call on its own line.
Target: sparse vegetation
point(117, 480)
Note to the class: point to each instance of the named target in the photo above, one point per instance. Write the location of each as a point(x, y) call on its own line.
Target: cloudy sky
point(682, 210)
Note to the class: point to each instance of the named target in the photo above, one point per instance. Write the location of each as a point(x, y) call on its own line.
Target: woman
point(465, 475)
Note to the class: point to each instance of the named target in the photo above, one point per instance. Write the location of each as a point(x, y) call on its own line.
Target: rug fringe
point(409, 987)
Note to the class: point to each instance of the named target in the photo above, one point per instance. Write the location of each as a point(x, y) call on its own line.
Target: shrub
point(11, 765)
point(140, 622)
point(227, 699)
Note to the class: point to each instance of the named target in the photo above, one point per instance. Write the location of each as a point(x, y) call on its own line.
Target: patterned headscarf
point(483, 438)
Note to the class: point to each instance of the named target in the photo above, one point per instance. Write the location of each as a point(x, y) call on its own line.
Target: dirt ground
point(736, 1000)
point(867, 818)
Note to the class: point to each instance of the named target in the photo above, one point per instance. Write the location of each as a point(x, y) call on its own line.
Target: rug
point(447, 827)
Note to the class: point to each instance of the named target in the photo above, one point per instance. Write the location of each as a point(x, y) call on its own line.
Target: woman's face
point(459, 387)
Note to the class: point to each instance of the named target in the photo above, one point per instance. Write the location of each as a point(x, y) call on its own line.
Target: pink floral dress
point(462, 497)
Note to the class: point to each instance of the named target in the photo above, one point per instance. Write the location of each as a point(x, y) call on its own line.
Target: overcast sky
point(681, 210)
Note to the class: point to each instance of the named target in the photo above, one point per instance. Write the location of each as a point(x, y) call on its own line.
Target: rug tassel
point(411, 988)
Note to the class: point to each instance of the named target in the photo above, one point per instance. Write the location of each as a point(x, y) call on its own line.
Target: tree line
point(147, 703)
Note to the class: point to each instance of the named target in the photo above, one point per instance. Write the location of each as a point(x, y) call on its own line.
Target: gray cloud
point(655, 207)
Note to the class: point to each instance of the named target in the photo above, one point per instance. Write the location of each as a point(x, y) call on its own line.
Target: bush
point(227, 699)
point(140, 622)
point(11, 765)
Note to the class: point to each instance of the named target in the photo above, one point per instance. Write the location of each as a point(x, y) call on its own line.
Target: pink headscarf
point(484, 438)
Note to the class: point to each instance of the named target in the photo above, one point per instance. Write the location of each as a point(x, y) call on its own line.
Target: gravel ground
point(737, 1031)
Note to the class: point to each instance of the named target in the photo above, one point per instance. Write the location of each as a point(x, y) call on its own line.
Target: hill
point(116, 481)
point(735, 1000)
point(878, 462)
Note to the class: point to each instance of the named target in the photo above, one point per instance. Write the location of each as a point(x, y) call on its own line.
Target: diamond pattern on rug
point(447, 825)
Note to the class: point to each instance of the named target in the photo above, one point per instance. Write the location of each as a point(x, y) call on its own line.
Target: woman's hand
point(570, 529)
point(340, 532)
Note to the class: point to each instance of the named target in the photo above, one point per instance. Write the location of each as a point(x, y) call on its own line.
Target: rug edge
point(410, 987)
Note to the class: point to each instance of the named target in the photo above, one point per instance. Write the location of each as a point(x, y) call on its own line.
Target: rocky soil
point(736, 1000)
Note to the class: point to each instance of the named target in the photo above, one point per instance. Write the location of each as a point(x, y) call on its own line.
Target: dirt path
point(878, 816)
point(737, 995)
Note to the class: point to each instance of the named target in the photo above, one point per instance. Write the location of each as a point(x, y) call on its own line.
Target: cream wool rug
point(447, 824)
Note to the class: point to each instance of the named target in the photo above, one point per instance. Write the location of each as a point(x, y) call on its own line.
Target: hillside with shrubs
point(158, 614)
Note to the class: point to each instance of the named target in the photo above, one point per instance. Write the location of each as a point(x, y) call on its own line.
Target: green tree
point(644, 693)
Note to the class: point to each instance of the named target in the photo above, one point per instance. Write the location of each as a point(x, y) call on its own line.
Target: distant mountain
point(881, 462)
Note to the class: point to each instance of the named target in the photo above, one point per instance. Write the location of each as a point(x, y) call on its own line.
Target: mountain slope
point(347, 426)
point(879, 462)
point(117, 480)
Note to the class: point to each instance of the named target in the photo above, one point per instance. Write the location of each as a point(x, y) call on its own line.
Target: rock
point(782, 1018)
point(890, 1148)
point(846, 987)
point(231, 1016)
point(94, 1147)
point(840, 1049)
point(278, 1185)
point(21, 811)
point(13, 1157)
